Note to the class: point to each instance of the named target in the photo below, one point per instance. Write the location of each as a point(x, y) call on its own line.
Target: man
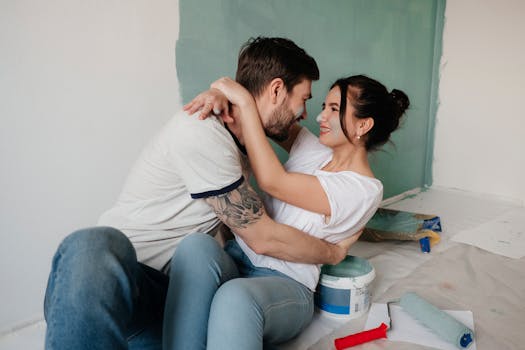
point(109, 285)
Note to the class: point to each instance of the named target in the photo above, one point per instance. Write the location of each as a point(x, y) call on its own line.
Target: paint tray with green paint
point(390, 224)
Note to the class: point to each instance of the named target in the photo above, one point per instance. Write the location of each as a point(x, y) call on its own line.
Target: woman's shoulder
point(342, 182)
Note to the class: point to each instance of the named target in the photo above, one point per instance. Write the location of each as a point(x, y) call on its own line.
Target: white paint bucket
point(343, 290)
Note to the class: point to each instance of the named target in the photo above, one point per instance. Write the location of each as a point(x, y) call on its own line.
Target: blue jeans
point(100, 297)
point(230, 304)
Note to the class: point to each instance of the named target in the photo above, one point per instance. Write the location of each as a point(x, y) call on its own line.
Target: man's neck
point(235, 131)
point(235, 127)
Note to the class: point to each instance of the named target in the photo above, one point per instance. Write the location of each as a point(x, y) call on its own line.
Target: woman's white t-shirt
point(353, 199)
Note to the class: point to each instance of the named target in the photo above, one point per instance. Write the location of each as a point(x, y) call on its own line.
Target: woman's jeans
point(100, 297)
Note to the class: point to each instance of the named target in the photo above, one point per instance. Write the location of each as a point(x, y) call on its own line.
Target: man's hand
point(210, 102)
point(346, 243)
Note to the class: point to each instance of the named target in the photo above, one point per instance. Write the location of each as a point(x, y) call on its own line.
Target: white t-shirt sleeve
point(307, 153)
point(307, 144)
point(206, 157)
point(353, 201)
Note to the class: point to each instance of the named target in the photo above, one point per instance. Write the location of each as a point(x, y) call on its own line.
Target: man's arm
point(242, 210)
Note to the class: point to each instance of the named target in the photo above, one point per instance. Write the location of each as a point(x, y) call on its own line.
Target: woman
point(326, 188)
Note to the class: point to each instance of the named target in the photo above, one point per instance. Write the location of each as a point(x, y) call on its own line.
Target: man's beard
point(278, 126)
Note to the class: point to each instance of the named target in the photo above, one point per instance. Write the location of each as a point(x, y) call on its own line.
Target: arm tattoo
point(238, 208)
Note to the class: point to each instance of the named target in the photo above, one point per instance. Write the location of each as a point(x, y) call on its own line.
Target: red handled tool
point(361, 337)
point(364, 336)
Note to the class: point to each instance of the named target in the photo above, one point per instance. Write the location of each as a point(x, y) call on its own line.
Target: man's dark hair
point(263, 59)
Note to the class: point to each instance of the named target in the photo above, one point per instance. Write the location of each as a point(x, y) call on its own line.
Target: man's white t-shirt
point(353, 199)
point(162, 199)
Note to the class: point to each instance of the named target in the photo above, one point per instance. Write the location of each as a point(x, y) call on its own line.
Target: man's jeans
point(100, 297)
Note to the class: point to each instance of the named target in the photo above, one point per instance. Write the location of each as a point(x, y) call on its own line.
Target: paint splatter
point(501, 313)
point(447, 285)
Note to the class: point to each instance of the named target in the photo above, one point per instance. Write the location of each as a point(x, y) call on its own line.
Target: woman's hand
point(210, 102)
point(234, 92)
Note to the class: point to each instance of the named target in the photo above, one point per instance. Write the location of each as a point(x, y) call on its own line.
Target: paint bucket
point(344, 289)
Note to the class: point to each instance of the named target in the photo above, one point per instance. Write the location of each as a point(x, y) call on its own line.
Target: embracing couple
point(190, 257)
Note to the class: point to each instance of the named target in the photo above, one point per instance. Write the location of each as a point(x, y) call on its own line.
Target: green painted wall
point(397, 42)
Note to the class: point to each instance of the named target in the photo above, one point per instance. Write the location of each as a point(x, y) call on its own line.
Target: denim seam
point(54, 276)
point(131, 336)
point(284, 303)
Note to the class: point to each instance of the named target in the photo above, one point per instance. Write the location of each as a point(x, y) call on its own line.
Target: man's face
point(290, 111)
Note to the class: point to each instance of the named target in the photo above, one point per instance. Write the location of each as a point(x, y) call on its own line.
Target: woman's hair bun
point(401, 101)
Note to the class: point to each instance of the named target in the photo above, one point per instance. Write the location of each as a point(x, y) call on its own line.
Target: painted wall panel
point(392, 41)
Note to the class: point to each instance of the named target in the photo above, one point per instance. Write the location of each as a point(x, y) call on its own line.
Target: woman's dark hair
point(263, 59)
point(370, 98)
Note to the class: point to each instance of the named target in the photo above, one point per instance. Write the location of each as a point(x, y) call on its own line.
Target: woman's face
point(331, 133)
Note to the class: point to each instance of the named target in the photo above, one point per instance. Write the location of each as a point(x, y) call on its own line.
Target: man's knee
point(89, 266)
point(92, 254)
point(94, 242)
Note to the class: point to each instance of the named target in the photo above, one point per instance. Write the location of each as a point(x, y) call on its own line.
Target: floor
point(458, 210)
point(28, 338)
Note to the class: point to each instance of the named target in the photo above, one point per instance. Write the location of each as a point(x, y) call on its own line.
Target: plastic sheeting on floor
point(452, 276)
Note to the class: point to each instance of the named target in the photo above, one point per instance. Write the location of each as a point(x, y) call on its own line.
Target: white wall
point(83, 85)
point(480, 130)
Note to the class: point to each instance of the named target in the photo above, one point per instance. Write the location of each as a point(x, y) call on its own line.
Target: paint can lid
point(352, 272)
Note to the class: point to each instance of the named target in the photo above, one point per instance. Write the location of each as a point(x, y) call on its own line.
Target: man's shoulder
point(183, 122)
point(184, 129)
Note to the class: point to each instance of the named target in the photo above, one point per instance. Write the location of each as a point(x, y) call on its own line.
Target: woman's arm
point(210, 102)
point(213, 102)
point(301, 190)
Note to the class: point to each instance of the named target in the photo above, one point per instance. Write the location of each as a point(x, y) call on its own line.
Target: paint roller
point(433, 318)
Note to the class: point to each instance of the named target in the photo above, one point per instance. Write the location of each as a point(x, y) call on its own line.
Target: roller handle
point(361, 337)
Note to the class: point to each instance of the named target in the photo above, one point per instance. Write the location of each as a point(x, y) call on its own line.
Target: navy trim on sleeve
point(213, 193)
